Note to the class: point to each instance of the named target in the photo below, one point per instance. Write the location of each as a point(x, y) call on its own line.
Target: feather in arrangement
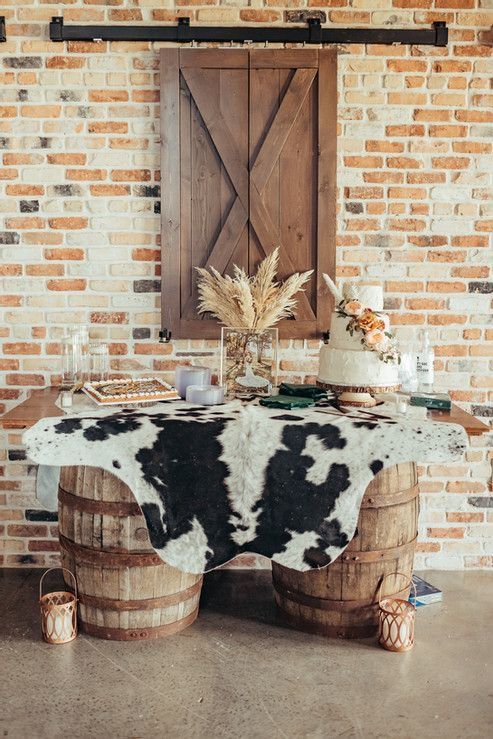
point(338, 295)
point(254, 303)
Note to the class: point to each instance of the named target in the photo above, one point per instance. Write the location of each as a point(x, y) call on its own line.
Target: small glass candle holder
point(99, 362)
point(205, 394)
point(401, 404)
point(190, 375)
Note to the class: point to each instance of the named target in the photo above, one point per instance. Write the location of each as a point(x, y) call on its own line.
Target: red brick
point(10, 270)
point(25, 190)
point(107, 127)
point(115, 317)
point(146, 255)
point(454, 532)
point(67, 158)
point(65, 62)
point(255, 15)
point(21, 347)
point(59, 285)
point(45, 270)
point(109, 190)
point(27, 529)
point(446, 319)
point(40, 111)
point(43, 545)
point(108, 96)
point(24, 222)
point(130, 175)
point(68, 224)
point(464, 517)
point(86, 174)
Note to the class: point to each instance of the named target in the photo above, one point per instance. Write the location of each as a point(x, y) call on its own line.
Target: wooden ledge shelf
point(41, 404)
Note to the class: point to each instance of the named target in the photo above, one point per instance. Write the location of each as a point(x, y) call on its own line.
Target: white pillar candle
point(66, 399)
point(205, 394)
point(190, 375)
point(401, 405)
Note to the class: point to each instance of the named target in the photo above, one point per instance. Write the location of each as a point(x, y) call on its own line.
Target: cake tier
point(371, 296)
point(359, 368)
point(340, 338)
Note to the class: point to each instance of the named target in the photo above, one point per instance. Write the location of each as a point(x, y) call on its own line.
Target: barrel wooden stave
point(126, 591)
point(341, 599)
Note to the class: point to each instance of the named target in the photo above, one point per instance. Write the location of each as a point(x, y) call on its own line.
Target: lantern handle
point(64, 569)
point(409, 580)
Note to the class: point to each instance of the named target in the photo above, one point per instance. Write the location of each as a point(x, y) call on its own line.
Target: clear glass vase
point(248, 361)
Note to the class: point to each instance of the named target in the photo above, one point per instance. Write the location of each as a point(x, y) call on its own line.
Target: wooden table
point(41, 404)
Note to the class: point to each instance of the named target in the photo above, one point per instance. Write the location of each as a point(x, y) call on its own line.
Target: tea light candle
point(66, 399)
point(190, 375)
point(205, 394)
point(401, 405)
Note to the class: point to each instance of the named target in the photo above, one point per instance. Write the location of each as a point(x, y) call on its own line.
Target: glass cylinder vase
point(248, 361)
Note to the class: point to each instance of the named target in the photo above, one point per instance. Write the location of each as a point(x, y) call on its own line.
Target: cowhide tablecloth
point(216, 481)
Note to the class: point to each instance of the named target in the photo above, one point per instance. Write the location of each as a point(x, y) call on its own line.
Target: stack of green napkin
point(304, 391)
point(287, 402)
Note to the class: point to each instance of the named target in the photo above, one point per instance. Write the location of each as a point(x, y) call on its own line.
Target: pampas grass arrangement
point(254, 303)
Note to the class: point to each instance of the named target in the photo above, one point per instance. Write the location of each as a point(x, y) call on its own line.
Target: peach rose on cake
point(368, 321)
point(376, 338)
point(353, 308)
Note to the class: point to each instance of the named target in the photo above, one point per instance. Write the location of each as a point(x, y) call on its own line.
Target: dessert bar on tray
point(119, 392)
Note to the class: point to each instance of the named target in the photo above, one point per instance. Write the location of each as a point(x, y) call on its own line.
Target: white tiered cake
point(360, 352)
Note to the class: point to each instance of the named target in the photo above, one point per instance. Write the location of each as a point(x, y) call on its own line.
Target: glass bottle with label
point(425, 359)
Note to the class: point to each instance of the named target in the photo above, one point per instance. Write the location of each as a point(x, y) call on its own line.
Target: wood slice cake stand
point(358, 395)
point(341, 600)
point(126, 592)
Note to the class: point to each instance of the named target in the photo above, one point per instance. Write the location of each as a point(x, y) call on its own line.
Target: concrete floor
point(237, 672)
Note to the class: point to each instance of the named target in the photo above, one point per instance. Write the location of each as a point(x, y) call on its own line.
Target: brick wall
point(79, 234)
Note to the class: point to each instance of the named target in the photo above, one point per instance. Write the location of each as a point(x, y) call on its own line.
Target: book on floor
point(426, 593)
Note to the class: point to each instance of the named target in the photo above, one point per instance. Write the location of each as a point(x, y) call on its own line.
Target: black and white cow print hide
point(215, 482)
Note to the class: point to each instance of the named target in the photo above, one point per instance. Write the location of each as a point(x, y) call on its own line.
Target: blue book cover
point(426, 593)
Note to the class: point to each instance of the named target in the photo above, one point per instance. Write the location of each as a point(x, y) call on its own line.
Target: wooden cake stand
point(361, 396)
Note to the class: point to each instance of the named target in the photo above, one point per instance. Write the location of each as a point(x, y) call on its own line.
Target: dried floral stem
point(255, 303)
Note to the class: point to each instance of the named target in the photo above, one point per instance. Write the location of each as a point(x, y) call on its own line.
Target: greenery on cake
point(371, 325)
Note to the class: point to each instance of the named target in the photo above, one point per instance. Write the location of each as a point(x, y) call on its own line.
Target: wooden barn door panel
point(254, 154)
point(206, 225)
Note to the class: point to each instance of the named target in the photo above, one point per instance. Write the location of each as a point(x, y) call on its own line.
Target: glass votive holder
point(205, 394)
point(401, 404)
point(99, 362)
point(190, 375)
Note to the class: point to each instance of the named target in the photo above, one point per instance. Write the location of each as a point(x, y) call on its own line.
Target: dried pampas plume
point(254, 303)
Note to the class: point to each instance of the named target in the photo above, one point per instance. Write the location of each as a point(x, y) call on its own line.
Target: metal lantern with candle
point(58, 612)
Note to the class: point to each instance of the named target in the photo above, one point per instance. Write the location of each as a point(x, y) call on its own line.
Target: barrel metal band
point(377, 555)
point(341, 632)
point(145, 632)
point(148, 604)
point(103, 507)
point(377, 500)
point(326, 604)
point(110, 558)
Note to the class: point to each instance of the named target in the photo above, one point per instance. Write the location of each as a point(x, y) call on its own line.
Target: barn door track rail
point(313, 33)
point(3, 34)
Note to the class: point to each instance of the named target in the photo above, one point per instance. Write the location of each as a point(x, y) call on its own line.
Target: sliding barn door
point(248, 163)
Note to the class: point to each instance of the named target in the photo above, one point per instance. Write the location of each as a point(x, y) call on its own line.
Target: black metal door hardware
point(313, 33)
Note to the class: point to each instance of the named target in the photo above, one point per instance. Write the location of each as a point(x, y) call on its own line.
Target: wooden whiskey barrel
point(341, 599)
point(126, 591)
